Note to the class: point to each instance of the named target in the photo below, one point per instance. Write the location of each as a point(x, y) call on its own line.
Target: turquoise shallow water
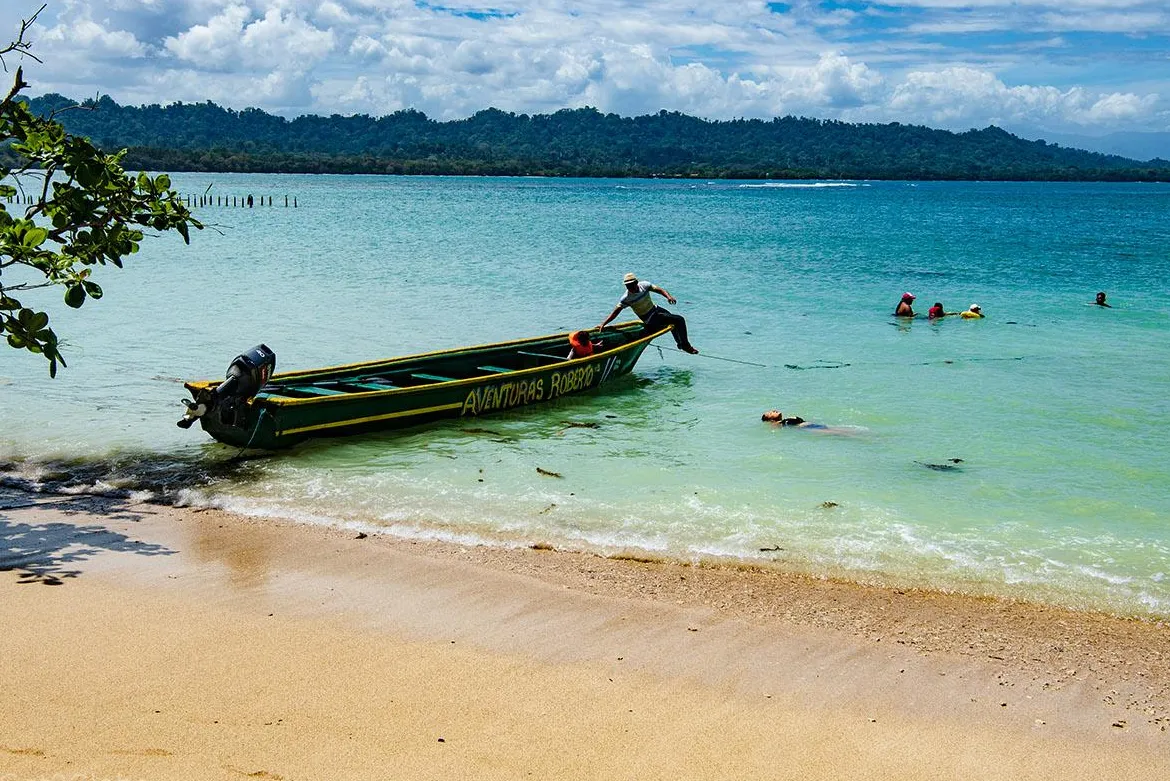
point(1057, 409)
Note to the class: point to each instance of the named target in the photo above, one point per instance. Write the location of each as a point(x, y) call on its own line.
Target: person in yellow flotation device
point(974, 313)
point(637, 297)
point(581, 346)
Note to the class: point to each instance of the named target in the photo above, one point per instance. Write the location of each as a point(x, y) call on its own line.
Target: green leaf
point(93, 290)
point(37, 322)
point(35, 237)
point(88, 175)
point(75, 296)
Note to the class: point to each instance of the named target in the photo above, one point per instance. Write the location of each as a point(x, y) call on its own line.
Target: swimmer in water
point(937, 311)
point(1101, 301)
point(905, 307)
point(974, 313)
point(776, 418)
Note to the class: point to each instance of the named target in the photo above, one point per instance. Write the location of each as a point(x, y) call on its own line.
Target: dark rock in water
point(771, 550)
point(955, 460)
point(361, 536)
point(818, 365)
point(548, 473)
point(941, 467)
point(828, 505)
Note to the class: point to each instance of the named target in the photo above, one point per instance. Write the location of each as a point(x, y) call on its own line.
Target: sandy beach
point(151, 642)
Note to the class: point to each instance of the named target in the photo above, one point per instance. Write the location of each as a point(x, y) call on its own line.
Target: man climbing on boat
point(637, 297)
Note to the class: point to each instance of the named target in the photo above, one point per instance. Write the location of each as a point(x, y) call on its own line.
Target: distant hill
point(1135, 145)
point(572, 142)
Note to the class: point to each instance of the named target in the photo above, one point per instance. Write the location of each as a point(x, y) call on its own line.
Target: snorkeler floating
point(776, 418)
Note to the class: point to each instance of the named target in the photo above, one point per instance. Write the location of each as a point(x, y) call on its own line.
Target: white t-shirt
point(639, 301)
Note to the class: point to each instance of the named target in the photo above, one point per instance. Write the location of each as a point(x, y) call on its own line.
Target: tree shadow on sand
point(43, 552)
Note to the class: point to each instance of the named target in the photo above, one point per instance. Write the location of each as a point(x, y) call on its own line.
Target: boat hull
point(271, 421)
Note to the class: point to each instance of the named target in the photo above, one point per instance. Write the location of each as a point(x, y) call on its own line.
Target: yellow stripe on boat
point(628, 325)
point(372, 418)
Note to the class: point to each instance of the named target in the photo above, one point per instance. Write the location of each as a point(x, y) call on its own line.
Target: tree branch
point(21, 46)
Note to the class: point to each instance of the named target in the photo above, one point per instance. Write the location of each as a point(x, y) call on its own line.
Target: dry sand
point(148, 642)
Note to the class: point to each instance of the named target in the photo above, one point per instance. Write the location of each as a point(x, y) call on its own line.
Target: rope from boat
point(255, 431)
point(712, 357)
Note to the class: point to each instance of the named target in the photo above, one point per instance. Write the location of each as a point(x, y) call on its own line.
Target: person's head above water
point(777, 417)
point(937, 309)
point(907, 297)
point(1101, 297)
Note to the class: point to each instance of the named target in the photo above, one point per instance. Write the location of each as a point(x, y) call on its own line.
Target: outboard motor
point(246, 375)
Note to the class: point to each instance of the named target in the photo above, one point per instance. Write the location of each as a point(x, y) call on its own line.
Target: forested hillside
point(571, 142)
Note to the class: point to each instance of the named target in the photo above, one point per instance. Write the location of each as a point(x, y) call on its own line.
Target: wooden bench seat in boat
point(432, 377)
point(316, 390)
point(370, 386)
point(494, 369)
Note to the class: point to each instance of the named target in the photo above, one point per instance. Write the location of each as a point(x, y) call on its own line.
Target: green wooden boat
point(255, 408)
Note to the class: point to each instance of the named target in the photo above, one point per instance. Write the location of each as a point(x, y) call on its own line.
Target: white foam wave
point(799, 185)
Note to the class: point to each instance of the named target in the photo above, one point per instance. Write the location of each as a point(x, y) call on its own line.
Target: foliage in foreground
point(73, 207)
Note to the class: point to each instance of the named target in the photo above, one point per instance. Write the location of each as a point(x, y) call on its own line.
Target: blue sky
point(1086, 67)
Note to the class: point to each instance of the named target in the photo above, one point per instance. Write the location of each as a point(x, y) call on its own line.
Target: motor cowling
point(245, 376)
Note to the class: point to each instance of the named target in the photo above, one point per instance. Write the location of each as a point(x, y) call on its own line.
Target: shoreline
point(517, 650)
point(12, 480)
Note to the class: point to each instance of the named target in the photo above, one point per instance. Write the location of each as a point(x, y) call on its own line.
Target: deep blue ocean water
point(1058, 409)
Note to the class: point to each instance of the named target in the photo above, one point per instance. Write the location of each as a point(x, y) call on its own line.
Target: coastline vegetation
point(572, 142)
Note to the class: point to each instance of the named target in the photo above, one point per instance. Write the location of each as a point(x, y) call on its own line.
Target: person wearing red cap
point(637, 297)
point(905, 306)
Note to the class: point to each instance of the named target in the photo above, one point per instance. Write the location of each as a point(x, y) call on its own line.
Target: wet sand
point(142, 641)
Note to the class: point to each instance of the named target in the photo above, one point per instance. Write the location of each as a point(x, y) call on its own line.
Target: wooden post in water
point(286, 201)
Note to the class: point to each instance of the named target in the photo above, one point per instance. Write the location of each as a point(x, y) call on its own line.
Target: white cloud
point(954, 97)
point(1117, 107)
point(83, 37)
point(275, 40)
point(918, 64)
